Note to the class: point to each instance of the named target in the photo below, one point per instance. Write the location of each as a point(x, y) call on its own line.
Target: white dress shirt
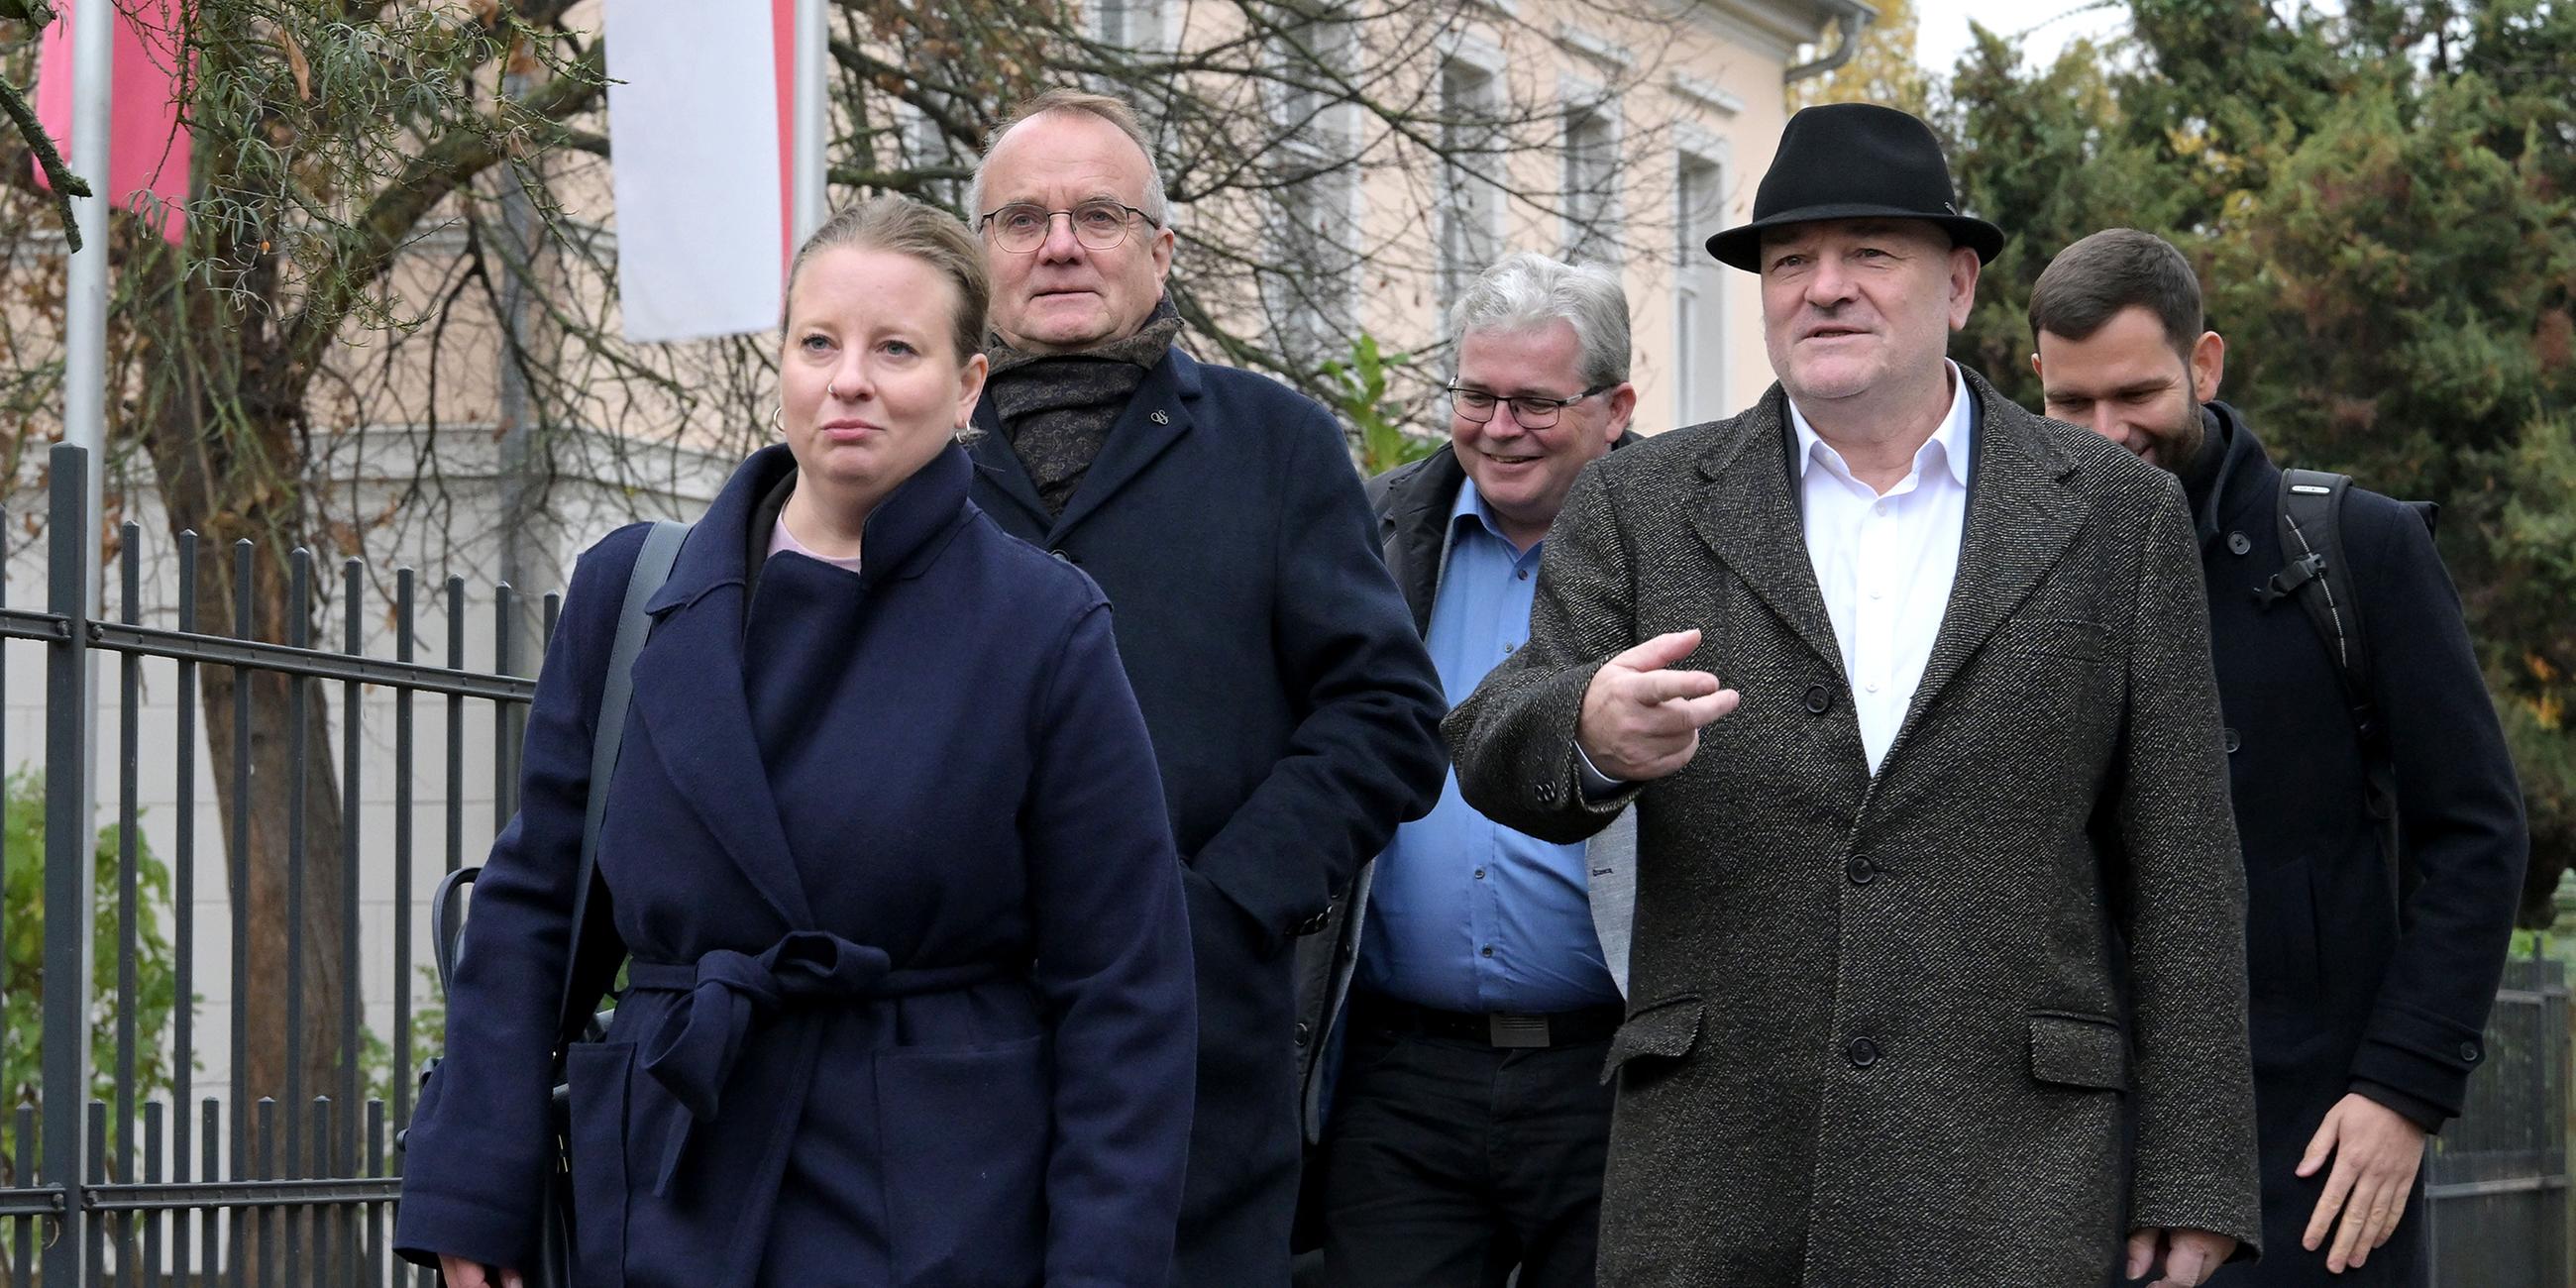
point(1885, 561)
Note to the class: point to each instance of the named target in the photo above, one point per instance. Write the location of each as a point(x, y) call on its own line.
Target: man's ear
point(1623, 411)
point(2208, 366)
point(2034, 366)
point(1964, 269)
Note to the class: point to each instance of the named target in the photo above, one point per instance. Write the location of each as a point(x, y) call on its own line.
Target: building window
point(1471, 164)
point(1311, 296)
point(1128, 24)
point(1699, 293)
point(1591, 183)
point(925, 146)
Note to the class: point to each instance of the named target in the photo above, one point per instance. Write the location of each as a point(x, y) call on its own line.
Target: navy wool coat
point(911, 996)
point(2364, 978)
point(1294, 714)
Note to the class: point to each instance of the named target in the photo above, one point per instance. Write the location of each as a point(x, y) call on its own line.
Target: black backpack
point(2318, 575)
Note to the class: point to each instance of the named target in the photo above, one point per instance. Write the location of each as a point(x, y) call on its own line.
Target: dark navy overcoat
point(2363, 979)
point(911, 1000)
point(1294, 712)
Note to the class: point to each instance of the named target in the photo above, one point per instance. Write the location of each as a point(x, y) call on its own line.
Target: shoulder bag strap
point(652, 568)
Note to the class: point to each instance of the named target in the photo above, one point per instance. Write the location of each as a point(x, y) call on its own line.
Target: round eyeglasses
point(1099, 225)
point(1528, 411)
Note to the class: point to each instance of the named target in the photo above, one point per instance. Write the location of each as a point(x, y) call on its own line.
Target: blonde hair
point(900, 225)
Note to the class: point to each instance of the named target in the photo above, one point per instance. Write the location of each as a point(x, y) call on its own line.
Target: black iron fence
point(2497, 1189)
point(167, 1184)
point(231, 1184)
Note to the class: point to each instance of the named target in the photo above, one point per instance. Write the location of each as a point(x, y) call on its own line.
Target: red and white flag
point(700, 127)
point(147, 169)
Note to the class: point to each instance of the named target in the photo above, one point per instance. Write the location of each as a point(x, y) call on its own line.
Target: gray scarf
point(1056, 408)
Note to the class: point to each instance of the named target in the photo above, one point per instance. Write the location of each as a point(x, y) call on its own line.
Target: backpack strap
point(652, 567)
point(2319, 575)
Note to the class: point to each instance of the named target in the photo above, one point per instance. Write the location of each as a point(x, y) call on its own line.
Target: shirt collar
point(1471, 504)
point(1948, 445)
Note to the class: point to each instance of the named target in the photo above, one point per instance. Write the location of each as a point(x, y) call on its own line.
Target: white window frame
point(1586, 100)
point(1139, 25)
point(1703, 372)
point(1320, 140)
point(923, 143)
point(1466, 199)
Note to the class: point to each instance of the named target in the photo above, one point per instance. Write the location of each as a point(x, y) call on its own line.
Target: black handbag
point(584, 981)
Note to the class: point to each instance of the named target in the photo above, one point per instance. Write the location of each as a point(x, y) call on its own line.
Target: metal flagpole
point(813, 50)
point(66, 1162)
point(85, 310)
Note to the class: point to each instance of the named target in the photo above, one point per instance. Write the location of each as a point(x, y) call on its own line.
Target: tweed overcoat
point(1896, 1029)
point(911, 997)
point(2366, 977)
point(1294, 714)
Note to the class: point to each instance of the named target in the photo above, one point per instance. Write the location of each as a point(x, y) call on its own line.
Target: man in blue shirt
point(1469, 996)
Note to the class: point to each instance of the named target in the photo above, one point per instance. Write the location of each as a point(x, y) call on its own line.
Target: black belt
point(1505, 1029)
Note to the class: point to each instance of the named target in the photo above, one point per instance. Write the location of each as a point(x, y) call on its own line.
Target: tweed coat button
point(2234, 741)
point(1546, 793)
point(1819, 699)
point(2469, 1051)
point(1861, 870)
point(2239, 543)
point(1862, 1053)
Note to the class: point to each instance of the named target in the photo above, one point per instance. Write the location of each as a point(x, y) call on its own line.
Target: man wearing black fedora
point(1910, 692)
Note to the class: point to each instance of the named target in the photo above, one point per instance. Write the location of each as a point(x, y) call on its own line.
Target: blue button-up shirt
point(1465, 914)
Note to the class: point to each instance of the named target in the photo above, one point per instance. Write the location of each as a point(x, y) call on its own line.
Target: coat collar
point(1748, 518)
point(1159, 414)
point(689, 678)
point(1414, 502)
point(2248, 482)
point(2020, 520)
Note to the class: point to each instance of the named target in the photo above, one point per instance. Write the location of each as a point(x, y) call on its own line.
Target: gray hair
point(1528, 289)
point(1116, 111)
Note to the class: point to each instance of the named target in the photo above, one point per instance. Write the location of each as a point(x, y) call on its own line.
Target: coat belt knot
point(726, 994)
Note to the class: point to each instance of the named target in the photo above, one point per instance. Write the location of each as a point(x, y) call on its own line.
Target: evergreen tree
point(2380, 205)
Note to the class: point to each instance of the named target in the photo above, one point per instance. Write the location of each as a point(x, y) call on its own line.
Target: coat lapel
point(1155, 418)
point(1000, 466)
point(1748, 516)
point(689, 693)
point(2021, 519)
point(1418, 530)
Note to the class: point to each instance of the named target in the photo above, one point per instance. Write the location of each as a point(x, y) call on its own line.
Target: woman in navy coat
point(910, 998)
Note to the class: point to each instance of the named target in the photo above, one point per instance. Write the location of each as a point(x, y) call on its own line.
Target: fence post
point(69, 866)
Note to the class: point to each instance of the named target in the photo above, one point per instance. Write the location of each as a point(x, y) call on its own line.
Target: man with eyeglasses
point(1291, 705)
point(1934, 975)
point(1469, 1001)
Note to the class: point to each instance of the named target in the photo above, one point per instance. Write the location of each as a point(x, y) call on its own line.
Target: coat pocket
point(966, 1138)
point(1661, 1030)
point(2074, 1050)
point(597, 1077)
point(2067, 637)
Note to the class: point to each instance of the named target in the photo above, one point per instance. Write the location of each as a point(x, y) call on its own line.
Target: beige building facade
point(1632, 133)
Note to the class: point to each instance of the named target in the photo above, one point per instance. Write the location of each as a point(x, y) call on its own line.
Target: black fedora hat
point(1854, 161)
